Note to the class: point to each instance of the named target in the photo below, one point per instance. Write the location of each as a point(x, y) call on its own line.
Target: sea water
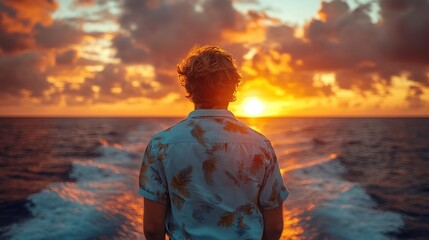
point(349, 178)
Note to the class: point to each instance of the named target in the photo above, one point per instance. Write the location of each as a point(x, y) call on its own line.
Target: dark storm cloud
point(28, 25)
point(14, 42)
point(67, 57)
point(111, 77)
point(360, 52)
point(161, 32)
point(128, 50)
point(17, 21)
point(27, 35)
point(167, 30)
point(24, 71)
point(57, 35)
point(405, 30)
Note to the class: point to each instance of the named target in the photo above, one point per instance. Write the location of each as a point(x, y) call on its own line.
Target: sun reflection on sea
point(291, 228)
point(130, 207)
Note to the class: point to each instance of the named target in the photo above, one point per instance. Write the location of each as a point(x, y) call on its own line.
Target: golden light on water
point(253, 107)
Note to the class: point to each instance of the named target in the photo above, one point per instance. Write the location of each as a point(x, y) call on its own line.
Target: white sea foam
point(57, 217)
point(330, 207)
point(102, 202)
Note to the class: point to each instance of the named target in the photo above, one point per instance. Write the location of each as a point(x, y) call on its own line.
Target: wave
point(330, 207)
point(102, 201)
point(100, 204)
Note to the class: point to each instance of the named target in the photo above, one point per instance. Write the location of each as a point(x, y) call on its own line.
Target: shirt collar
point(211, 113)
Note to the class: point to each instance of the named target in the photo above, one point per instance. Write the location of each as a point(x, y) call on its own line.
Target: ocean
point(349, 178)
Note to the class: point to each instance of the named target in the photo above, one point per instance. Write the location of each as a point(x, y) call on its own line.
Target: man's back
point(216, 174)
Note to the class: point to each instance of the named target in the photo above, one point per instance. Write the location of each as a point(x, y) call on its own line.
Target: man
point(210, 176)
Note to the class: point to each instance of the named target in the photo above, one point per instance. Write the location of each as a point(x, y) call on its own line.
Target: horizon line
point(238, 116)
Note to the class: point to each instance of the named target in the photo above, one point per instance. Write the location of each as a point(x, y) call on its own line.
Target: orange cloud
point(339, 61)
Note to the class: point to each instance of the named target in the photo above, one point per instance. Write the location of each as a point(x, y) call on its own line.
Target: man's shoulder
point(170, 131)
point(239, 132)
point(249, 130)
point(211, 129)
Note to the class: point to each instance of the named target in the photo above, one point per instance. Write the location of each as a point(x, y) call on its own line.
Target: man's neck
point(223, 106)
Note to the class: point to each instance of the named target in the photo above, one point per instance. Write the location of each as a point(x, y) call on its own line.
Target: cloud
point(112, 84)
point(57, 35)
point(363, 54)
point(404, 30)
point(128, 50)
point(28, 25)
point(162, 32)
point(67, 57)
point(29, 37)
point(24, 72)
point(275, 68)
point(17, 21)
point(82, 3)
point(414, 97)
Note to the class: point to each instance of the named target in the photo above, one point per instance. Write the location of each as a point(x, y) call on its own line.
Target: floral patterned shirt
point(215, 173)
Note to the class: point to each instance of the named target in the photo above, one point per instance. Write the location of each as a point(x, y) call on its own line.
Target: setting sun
point(253, 106)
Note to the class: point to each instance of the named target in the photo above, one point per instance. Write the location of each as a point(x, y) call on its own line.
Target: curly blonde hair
point(209, 75)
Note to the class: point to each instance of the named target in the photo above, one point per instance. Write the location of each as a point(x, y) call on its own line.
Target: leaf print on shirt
point(226, 219)
point(155, 176)
point(242, 174)
point(232, 127)
point(181, 180)
point(148, 154)
point(209, 166)
point(144, 167)
point(240, 222)
point(242, 226)
point(162, 196)
point(246, 209)
point(217, 147)
point(206, 207)
point(274, 192)
point(218, 120)
point(197, 132)
point(198, 215)
point(257, 163)
point(266, 153)
point(202, 210)
point(162, 151)
point(177, 200)
point(157, 138)
point(232, 177)
point(142, 176)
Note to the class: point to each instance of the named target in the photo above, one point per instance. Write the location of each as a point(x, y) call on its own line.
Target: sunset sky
point(297, 58)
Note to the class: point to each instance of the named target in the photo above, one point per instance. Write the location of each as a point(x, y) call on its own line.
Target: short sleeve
point(152, 183)
point(273, 190)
